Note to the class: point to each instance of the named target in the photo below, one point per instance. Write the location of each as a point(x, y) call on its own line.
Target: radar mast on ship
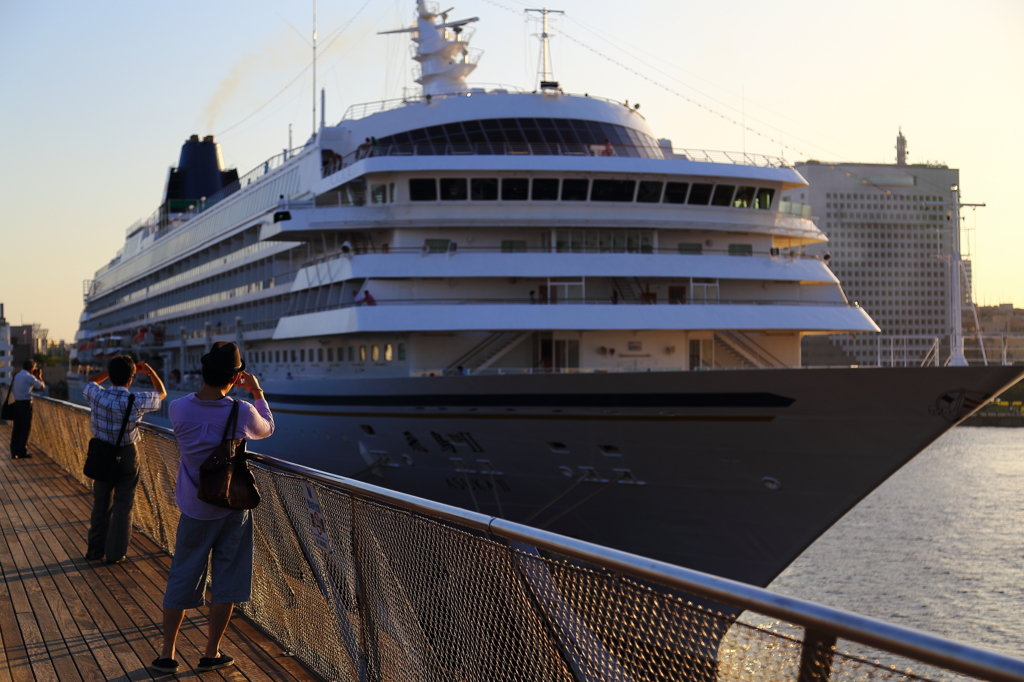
point(444, 55)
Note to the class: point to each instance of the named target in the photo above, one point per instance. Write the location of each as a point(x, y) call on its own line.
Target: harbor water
point(938, 547)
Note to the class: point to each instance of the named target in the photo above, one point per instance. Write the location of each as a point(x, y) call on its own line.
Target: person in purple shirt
point(204, 529)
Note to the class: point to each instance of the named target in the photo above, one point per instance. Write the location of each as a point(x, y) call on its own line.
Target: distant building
point(6, 349)
point(890, 230)
point(28, 340)
point(1003, 329)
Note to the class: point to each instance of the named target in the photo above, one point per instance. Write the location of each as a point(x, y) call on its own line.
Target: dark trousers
point(111, 524)
point(22, 425)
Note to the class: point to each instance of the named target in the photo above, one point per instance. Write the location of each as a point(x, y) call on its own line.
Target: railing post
point(816, 656)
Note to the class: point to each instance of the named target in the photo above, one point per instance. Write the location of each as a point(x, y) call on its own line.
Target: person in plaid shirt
point(110, 526)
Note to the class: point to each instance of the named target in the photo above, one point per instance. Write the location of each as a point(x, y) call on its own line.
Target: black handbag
point(224, 478)
point(103, 459)
point(7, 410)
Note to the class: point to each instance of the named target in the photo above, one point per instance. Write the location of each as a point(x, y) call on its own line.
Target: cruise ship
point(527, 304)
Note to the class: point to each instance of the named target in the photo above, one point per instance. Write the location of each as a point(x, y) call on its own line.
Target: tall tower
point(901, 149)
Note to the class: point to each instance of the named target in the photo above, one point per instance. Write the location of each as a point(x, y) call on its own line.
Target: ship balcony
point(487, 264)
point(309, 222)
point(469, 314)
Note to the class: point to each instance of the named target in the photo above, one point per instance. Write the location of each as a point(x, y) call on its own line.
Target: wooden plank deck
point(65, 619)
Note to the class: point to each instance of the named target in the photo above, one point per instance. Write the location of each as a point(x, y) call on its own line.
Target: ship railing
point(372, 150)
point(646, 300)
point(364, 583)
point(428, 250)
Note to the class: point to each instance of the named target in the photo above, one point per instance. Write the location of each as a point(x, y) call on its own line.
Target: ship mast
point(547, 80)
point(314, 68)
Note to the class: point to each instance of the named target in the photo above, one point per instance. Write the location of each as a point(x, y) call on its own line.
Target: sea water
point(938, 547)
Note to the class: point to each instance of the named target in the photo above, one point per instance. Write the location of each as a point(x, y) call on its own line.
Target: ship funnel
point(200, 174)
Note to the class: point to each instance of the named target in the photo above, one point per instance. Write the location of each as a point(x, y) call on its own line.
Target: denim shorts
point(229, 542)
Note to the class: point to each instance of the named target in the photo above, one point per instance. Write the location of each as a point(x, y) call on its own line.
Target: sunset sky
point(97, 98)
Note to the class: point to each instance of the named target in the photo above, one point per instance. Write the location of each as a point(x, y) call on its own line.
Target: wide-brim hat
point(223, 357)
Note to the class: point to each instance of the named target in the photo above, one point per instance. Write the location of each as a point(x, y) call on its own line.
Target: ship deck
point(65, 618)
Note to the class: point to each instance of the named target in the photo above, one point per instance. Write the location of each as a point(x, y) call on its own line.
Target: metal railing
point(363, 583)
point(366, 151)
point(304, 309)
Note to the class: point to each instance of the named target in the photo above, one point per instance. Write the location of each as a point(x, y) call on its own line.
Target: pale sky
point(96, 99)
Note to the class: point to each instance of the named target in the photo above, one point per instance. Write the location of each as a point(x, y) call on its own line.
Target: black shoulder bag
point(103, 459)
point(224, 478)
point(7, 409)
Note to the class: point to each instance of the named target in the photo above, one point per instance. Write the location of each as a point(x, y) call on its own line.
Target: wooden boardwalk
point(65, 619)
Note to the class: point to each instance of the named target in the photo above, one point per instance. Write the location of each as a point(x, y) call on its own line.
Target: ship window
point(545, 189)
point(764, 199)
point(691, 248)
point(387, 353)
point(646, 242)
point(675, 192)
point(401, 351)
point(612, 190)
point(722, 195)
point(422, 189)
point(378, 194)
point(391, 191)
point(375, 353)
point(704, 290)
point(648, 192)
point(302, 355)
point(483, 189)
point(436, 245)
point(515, 189)
point(453, 189)
point(319, 354)
point(295, 356)
point(330, 354)
point(741, 250)
point(700, 194)
point(677, 294)
point(277, 356)
point(513, 246)
point(744, 197)
point(574, 190)
point(362, 353)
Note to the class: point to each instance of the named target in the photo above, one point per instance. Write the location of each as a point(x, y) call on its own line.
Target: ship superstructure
point(526, 303)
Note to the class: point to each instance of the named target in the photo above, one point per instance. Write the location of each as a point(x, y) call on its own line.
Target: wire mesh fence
point(364, 584)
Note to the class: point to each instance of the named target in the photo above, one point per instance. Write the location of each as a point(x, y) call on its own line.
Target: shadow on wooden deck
point(63, 618)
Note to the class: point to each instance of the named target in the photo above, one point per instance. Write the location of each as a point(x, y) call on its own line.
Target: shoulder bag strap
point(232, 425)
point(124, 422)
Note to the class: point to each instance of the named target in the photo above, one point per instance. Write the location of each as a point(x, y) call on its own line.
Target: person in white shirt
point(29, 379)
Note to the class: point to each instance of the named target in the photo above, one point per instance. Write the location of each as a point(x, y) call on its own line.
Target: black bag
point(224, 478)
point(7, 410)
point(103, 459)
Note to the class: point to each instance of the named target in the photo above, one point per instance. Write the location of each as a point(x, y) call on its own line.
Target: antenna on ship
point(547, 81)
point(314, 68)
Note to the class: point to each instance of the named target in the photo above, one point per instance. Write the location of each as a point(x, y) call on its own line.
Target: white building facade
point(890, 231)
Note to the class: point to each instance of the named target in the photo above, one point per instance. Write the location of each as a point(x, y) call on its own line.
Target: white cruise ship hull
point(732, 473)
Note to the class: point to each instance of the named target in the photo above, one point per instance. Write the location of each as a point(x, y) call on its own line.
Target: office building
point(890, 230)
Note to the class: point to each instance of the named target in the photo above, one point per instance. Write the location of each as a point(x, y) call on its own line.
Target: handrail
point(581, 301)
point(925, 647)
point(366, 151)
point(66, 439)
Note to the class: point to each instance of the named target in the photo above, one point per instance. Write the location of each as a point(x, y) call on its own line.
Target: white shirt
point(24, 382)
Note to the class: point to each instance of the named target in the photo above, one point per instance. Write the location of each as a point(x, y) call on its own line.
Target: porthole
point(771, 483)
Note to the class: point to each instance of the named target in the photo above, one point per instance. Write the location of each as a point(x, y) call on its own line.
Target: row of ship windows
point(375, 353)
point(576, 189)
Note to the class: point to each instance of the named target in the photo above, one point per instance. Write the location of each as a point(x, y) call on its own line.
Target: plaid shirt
point(108, 406)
